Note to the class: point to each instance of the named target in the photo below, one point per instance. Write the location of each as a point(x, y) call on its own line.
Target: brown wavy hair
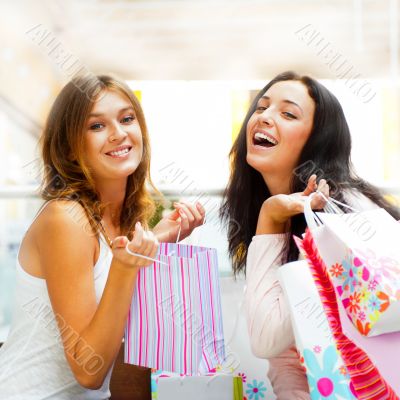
point(67, 177)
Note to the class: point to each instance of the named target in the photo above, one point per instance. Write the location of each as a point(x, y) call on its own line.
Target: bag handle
point(132, 253)
point(312, 220)
point(330, 207)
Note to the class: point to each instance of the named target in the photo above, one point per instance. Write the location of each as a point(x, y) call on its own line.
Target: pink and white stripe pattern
point(175, 319)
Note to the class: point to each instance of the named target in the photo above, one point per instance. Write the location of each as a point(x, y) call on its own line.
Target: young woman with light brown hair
point(75, 279)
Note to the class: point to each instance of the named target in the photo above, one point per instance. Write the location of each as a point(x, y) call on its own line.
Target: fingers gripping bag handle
point(311, 218)
point(331, 207)
point(132, 253)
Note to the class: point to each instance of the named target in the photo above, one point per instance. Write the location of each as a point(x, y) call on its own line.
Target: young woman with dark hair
point(293, 141)
point(78, 261)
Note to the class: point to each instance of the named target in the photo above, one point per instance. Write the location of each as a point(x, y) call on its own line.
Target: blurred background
point(195, 66)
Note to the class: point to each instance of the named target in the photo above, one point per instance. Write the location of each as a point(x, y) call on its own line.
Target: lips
point(264, 139)
point(119, 151)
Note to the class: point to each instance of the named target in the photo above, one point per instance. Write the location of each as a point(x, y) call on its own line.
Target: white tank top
point(32, 361)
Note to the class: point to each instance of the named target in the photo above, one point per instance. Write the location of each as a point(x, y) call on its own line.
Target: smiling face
point(113, 138)
point(279, 128)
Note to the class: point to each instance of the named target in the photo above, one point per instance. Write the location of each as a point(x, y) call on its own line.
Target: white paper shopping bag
point(384, 350)
point(326, 373)
point(363, 260)
point(217, 387)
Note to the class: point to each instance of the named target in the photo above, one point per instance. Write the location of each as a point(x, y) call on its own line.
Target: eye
point(128, 119)
point(289, 115)
point(261, 108)
point(96, 127)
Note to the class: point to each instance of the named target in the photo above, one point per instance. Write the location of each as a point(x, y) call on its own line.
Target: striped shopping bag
point(175, 320)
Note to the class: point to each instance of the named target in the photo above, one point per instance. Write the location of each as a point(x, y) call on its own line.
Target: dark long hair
point(326, 154)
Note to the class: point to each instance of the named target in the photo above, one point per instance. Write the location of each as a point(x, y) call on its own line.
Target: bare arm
point(91, 332)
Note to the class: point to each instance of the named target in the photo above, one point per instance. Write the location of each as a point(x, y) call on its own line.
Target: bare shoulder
point(66, 209)
point(66, 224)
point(64, 214)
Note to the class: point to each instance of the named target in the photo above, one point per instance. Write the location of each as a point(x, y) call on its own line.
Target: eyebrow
point(119, 112)
point(284, 101)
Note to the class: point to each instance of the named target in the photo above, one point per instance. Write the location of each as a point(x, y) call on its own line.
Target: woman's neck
point(112, 194)
point(277, 184)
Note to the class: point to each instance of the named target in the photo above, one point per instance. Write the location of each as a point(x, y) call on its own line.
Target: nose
point(117, 133)
point(266, 117)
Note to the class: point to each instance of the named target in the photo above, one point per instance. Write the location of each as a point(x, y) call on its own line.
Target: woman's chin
point(260, 164)
point(128, 168)
point(116, 174)
point(126, 172)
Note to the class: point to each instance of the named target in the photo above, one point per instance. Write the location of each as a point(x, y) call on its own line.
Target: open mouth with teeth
point(261, 139)
point(121, 152)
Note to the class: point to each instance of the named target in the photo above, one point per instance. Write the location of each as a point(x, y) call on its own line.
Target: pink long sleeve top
point(268, 317)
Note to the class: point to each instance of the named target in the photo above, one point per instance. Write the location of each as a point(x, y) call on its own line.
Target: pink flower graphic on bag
point(362, 316)
point(243, 376)
point(317, 349)
point(372, 285)
point(379, 266)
